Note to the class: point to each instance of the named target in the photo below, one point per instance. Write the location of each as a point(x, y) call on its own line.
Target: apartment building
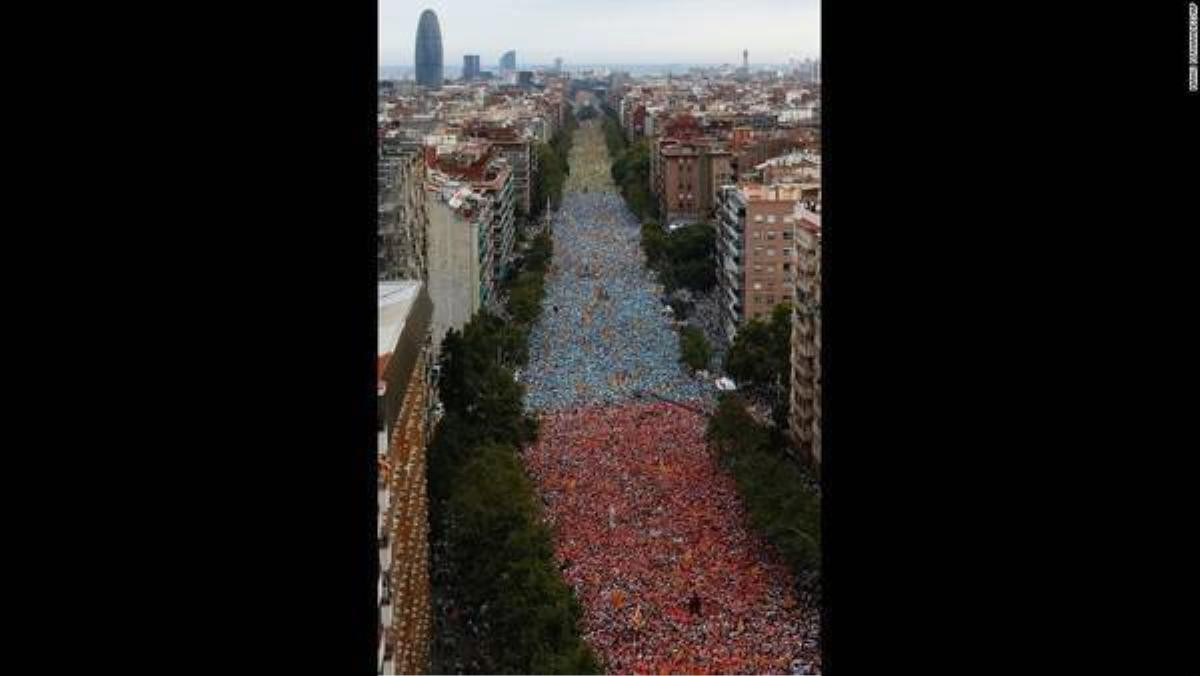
point(403, 222)
point(480, 164)
point(804, 411)
point(684, 176)
point(508, 142)
point(461, 278)
point(497, 183)
point(756, 249)
point(406, 419)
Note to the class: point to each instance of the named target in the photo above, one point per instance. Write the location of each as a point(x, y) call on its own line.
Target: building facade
point(406, 419)
point(756, 250)
point(461, 279)
point(804, 411)
point(403, 222)
point(518, 150)
point(685, 176)
point(497, 184)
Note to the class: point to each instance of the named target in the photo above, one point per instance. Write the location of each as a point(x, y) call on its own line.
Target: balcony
point(733, 301)
point(731, 234)
point(732, 269)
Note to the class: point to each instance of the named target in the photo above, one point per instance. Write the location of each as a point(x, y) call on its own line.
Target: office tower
point(428, 57)
point(558, 65)
point(470, 67)
point(509, 60)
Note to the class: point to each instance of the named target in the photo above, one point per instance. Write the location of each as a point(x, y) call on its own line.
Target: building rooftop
point(776, 192)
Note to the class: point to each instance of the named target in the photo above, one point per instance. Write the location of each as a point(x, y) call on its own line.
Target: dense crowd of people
point(604, 332)
point(648, 531)
point(652, 537)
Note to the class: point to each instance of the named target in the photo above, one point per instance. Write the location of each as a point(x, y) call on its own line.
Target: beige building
point(804, 418)
point(461, 272)
point(406, 418)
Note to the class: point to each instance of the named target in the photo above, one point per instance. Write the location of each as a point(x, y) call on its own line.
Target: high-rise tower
point(470, 67)
point(428, 57)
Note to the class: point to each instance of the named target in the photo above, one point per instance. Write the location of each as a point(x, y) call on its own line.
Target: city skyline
point(589, 33)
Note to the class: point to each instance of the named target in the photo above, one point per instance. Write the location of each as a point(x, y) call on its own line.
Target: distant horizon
point(567, 65)
point(620, 33)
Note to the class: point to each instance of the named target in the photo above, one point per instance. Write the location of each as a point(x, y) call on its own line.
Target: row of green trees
point(780, 497)
point(760, 360)
point(613, 136)
point(694, 350)
point(553, 166)
point(683, 258)
point(513, 611)
point(630, 169)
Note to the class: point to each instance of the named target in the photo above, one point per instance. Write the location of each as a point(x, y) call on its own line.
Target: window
point(770, 252)
point(758, 286)
point(757, 235)
point(771, 299)
point(787, 234)
point(758, 268)
point(771, 218)
point(770, 234)
point(787, 251)
point(787, 266)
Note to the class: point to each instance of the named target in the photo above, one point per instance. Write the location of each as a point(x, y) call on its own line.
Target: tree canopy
point(760, 359)
point(780, 496)
point(515, 612)
point(694, 349)
point(683, 258)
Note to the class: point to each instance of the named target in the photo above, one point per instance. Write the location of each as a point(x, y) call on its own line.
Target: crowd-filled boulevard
point(648, 531)
point(604, 333)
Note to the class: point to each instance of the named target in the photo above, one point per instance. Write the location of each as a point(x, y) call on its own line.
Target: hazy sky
point(606, 31)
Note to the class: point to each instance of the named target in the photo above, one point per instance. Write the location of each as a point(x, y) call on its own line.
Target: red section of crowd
point(651, 535)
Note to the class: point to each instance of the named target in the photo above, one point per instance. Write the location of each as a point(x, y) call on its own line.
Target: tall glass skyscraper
point(428, 57)
point(509, 60)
